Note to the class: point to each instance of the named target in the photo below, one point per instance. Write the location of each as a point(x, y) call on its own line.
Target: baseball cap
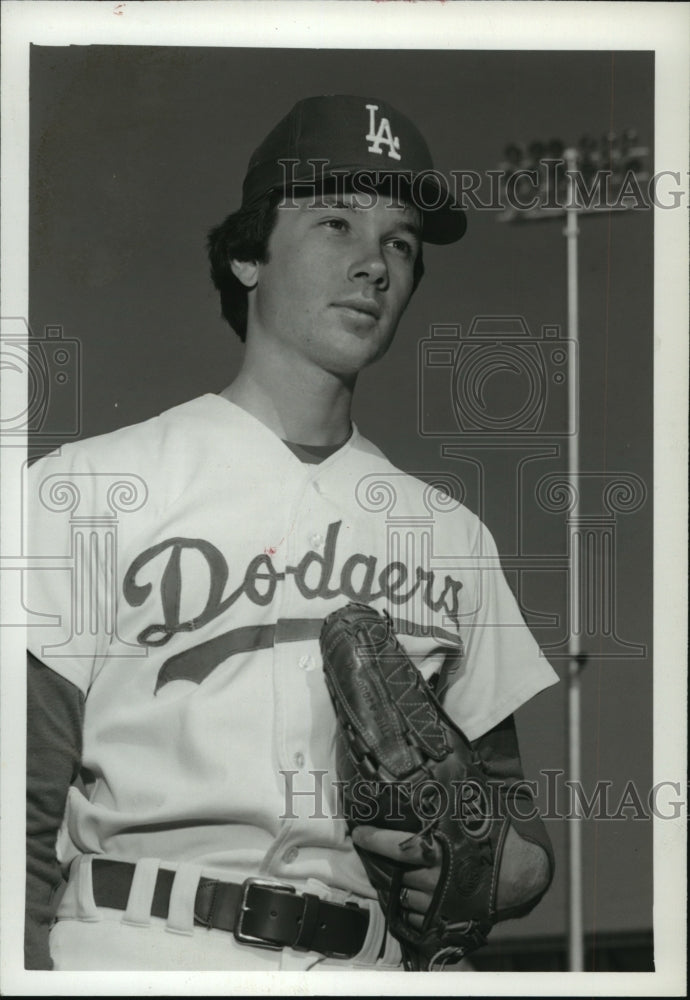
point(342, 136)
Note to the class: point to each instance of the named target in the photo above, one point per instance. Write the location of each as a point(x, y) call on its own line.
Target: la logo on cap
point(381, 136)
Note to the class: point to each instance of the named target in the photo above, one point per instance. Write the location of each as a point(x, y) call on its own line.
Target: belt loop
point(182, 896)
point(138, 910)
point(369, 952)
point(85, 905)
point(392, 955)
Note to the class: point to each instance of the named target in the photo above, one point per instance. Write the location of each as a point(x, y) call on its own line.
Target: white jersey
point(188, 563)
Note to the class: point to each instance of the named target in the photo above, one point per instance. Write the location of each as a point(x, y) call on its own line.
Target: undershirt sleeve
point(55, 711)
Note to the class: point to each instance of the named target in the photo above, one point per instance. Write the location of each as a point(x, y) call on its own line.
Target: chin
point(348, 364)
point(354, 353)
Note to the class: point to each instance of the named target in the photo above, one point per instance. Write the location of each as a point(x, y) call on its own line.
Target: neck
point(299, 403)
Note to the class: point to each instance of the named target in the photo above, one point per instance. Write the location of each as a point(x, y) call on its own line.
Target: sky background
point(136, 152)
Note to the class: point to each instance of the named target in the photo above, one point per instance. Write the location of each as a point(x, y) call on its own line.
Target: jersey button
point(316, 540)
point(290, 855)
point(299, 759)
point(307, 662)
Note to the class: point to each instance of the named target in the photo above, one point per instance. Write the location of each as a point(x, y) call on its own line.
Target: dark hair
point(244, 235)
point(241, 236)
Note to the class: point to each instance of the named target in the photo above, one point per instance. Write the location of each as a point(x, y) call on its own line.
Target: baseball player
point(180, 746)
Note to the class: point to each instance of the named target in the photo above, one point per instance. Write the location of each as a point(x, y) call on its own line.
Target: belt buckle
point(247, 886)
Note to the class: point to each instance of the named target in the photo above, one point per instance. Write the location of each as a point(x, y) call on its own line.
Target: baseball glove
point(404, 765)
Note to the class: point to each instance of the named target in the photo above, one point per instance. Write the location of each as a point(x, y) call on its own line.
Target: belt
point(257, 912)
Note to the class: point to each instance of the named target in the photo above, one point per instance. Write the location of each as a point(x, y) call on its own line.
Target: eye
point(340, 225)
point(402, 247)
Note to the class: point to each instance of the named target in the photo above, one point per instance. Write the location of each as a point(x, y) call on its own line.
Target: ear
point(246, 271)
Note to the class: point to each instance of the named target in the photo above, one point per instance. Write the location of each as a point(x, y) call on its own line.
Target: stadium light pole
point(575, 927)
point(576, 657)
point(631, 157)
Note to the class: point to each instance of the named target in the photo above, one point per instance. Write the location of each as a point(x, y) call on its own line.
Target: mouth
point(362, 307)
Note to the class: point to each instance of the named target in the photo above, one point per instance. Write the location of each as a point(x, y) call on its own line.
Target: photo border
point(498, 25)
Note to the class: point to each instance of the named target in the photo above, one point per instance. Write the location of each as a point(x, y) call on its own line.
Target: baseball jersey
point(181, 571)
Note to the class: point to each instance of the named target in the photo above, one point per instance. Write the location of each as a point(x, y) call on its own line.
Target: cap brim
point(444, 225)
point(442, 220)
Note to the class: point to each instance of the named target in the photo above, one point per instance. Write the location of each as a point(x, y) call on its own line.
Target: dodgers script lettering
point(313, 577)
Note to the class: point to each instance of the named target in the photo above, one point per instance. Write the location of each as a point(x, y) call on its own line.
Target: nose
point(370, 267)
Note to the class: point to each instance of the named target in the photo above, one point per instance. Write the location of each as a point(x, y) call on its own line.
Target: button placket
point(307, 532)
point(301, 535)
point(286, 711)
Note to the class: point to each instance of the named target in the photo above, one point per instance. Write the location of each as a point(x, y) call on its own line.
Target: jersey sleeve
point(503, 666)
